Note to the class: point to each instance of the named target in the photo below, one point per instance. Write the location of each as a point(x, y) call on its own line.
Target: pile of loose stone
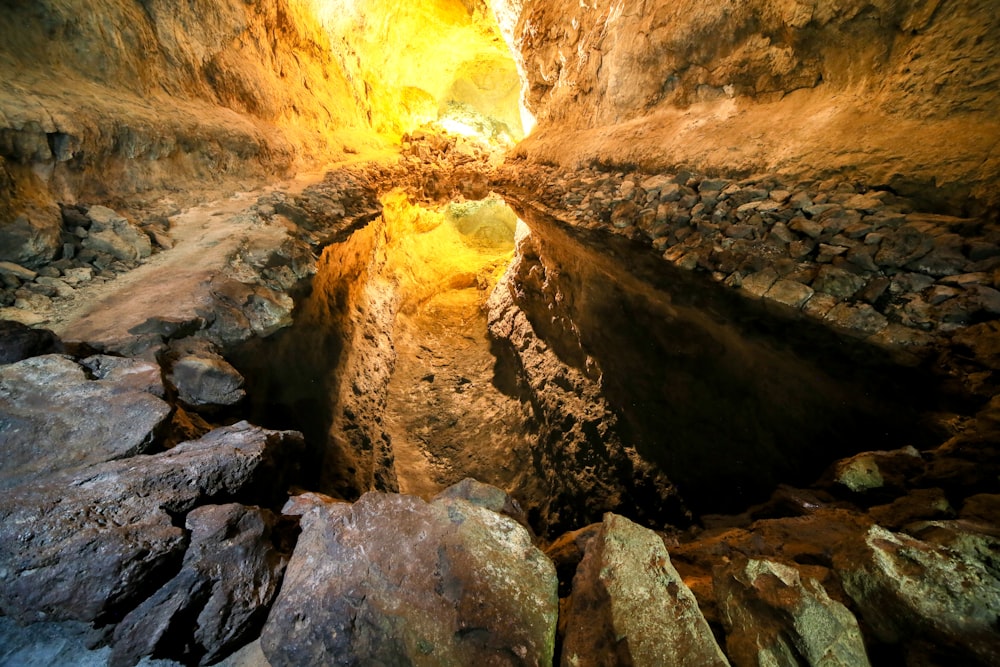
point(864, 262)
point(98, 244)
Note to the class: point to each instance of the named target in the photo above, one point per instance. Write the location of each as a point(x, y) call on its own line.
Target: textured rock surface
point(230, 574)
point(907, 589)
point(18, 342)
point(52, 416)
point(206, 382)
point(128, 96)
point(90, 544)
point(774, 616)
point(393, 579)
point(629, 605)
point(854, 87)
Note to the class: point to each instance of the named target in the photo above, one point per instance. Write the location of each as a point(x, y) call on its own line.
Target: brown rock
point(775, 616)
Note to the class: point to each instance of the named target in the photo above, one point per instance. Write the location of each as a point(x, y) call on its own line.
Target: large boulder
point(909, 591)
point(775, 616)
point(395, 580)
point(630, 606)
point(221, 596)
point(53, 416)
point(89, 544)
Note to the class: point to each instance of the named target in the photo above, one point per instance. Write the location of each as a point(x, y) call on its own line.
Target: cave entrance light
point(442, 62)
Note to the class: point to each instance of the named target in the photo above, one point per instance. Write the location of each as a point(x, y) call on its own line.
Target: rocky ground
point(162, 525)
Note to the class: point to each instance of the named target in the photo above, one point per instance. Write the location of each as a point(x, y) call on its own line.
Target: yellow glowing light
point(409, 61)
point(458, 127)
point(463, 246)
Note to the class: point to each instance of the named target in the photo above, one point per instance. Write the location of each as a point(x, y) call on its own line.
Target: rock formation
point(727, 372)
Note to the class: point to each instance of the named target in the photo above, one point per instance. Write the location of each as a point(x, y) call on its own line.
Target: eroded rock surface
point(395, 579)
point(230, 575)
point(89, 544)
point(53, 416)
point(774, 615)
point(629, 605)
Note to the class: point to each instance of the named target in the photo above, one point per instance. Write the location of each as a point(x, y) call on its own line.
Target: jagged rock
point(629, 605)
point(219, 599)
point(775, 616)
point(395, 580)
point(837, 282)
point(112, 234)
point(905, 245)
point(875, 470)
point(126, 373)
point(206, 381)
point(32, 238)
point(89, 544)
point(54, 417)
point(19, 341)
point(907, 589)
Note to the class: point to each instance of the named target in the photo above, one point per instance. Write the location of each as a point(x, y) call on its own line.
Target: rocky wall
point(106, 99)
point(894, 94)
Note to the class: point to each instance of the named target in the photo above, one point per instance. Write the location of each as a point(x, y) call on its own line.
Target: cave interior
point(508, 331)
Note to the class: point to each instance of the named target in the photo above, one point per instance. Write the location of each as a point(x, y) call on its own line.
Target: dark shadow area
point(727, 396)
point(289, 381)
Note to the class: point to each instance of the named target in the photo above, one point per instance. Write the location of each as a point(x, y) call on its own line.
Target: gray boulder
point(52, 416)
point(89, 544)
point(31, 239)
point(774, 616)
point(908, 589)
point(630, 606)
point(112, 234)
point(206, 381)
point(395, 580)
point(220, 598)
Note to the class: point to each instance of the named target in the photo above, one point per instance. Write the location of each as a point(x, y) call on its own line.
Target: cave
point(534, 332)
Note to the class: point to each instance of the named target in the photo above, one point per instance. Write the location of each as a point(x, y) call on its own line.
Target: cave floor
point(446, 417)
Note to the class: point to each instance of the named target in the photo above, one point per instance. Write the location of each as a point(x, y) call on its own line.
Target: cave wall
point(891, 93)
point(103, 100)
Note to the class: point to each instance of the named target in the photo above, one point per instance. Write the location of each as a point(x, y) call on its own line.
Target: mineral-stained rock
point(775, 616)
point(395, 580)
point(629, 605)
point(230, 575)
point(89, 544)
point(907, 589)
point(874, 470)
point(53, 417)
point(18, 342)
